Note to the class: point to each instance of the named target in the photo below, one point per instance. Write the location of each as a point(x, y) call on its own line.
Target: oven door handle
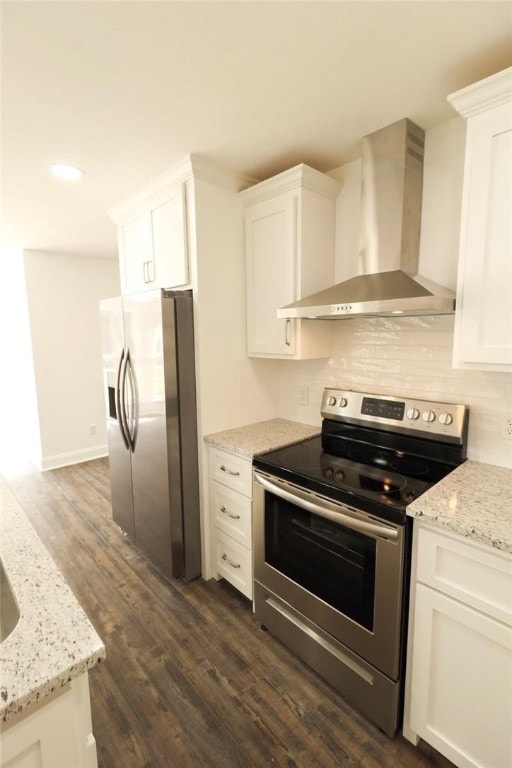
point(336, 513)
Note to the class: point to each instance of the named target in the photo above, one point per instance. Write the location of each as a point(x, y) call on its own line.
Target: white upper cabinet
point(289, 228)
point(483, 323)
point(152, 239)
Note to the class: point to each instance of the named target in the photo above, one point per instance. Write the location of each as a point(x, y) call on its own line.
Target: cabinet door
point(484, 308)
point(135, 253)
point(168, 223)
point(54, 733)
point(461, 682)
point(271, 263)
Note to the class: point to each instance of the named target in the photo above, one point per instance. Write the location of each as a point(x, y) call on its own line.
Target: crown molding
point(191, 167)
point(484, 95)
point(299, 177)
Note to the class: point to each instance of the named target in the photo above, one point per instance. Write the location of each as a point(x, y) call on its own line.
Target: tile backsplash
point(410, 356)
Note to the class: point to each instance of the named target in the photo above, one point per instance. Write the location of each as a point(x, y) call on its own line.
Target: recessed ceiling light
point(66, 172)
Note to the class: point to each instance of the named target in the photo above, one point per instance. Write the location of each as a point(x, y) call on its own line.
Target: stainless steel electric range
point(332, 538)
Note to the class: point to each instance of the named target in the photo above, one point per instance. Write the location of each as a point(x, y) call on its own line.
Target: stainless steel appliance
point(148, 358)
point(388, 282)
point(332, 539)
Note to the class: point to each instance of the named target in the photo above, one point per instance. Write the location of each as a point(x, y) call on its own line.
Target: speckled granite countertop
point(53, 641)
point(475, 501)
point(263, 436)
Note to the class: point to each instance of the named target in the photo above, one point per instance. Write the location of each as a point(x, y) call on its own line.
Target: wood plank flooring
point(190, 679)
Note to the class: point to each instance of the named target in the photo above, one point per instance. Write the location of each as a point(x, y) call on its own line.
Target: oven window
point(329, 560)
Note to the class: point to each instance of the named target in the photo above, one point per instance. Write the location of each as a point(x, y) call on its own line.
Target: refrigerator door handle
point(131, 421)
point(119, 401)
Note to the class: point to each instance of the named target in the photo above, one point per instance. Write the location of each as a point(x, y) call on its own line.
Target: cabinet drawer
point(475, 575)
point(233, 471)
point(234, 563)
point(232, 513)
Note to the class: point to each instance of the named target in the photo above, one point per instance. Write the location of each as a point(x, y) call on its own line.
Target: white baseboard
point(74, 457)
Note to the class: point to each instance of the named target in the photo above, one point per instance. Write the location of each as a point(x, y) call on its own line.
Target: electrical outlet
point(506, 428)
point(303, 398)
point(92, 429)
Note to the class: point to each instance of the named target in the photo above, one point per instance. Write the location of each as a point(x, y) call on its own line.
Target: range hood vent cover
point(391, 194)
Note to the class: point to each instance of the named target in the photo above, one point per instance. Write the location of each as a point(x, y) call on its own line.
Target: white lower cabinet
point(231, 516)
point(55, 733)
point(459, 668)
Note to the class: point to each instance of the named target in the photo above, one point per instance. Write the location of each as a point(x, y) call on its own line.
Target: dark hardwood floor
point(190, 679)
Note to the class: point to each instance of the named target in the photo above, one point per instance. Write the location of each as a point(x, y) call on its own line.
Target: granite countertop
point(253, 439)
point(53, 641)
point(475, 501)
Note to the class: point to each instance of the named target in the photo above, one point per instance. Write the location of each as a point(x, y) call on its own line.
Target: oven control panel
point(441, 421)
point(385, 409)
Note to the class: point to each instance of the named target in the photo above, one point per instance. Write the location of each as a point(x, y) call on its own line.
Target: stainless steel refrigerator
point(149, 372)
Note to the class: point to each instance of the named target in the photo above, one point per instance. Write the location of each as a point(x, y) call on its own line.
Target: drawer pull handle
point(230, 562)
point(225, 512)
point(229, 471)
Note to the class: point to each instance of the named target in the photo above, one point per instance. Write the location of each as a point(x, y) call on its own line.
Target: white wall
point(19, 419)
point(234, 389)
point(63, 294)
point(409, 356)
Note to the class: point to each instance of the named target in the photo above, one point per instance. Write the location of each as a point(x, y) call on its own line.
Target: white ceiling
point(126, 89)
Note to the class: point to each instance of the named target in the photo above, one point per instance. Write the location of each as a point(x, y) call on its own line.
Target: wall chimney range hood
point(391, 193)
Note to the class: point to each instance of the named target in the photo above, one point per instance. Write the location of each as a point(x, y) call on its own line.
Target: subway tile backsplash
point(410, 356)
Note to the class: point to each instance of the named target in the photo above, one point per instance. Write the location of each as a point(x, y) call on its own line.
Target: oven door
point(339, 567)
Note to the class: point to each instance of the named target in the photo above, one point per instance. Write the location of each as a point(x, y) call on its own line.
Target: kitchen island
point(459, 662)
point(45, 658)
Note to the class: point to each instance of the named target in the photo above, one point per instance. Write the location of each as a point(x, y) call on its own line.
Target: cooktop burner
point(396, 462)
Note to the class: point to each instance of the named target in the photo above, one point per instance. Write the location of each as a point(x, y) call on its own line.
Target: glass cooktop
point(378, 480)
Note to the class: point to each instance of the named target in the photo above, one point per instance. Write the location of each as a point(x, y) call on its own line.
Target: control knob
point(413, 413)
point(445, 418)
point(429, 416)
point(342, 402)
point(331, 400)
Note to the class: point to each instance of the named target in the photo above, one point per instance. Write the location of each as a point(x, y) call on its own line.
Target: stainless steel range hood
point(391, 193)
